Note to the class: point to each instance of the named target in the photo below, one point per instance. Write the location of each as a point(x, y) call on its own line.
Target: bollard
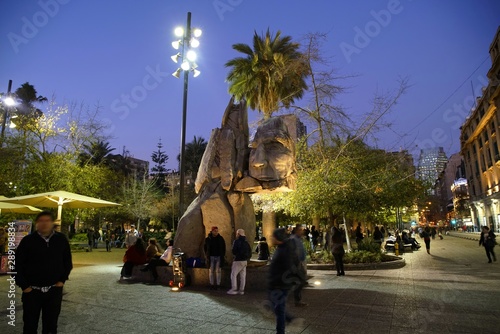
point(396, 248)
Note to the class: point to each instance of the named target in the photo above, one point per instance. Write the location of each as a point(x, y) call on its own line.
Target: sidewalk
point(453, 290)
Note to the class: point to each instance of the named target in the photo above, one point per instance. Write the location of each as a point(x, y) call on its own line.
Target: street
point(454, 290)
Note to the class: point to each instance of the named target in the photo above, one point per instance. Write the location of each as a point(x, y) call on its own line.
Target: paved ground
point(453, 290)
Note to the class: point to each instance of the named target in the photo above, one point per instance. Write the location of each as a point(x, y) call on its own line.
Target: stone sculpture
point(231, 169)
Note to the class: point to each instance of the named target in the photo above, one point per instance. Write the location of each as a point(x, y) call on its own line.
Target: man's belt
point(44, 289)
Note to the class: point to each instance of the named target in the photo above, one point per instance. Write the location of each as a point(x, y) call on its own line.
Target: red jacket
point(133, 255)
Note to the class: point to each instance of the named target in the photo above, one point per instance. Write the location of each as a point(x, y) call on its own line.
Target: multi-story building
point(480, 147)
point(430, 164)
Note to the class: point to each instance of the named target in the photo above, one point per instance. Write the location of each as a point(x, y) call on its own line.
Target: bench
point(256, 278)
point(389, 246)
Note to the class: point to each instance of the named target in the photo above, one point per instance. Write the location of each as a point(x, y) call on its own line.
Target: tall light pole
point(7, 102)
point(188, 41)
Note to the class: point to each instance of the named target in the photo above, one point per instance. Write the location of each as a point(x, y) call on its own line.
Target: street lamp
point(187, 42)
point(7, 102)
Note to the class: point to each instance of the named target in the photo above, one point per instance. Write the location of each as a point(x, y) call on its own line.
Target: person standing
point(297, 238)
point(314, 238)
point(215, 250)
point(359, 234)
point(42, 288)
point(426, 234)
point(90, 239)
point(338, 250)
point(131, 237)
point(281, 277)
point(242, 253)
point(488, 241)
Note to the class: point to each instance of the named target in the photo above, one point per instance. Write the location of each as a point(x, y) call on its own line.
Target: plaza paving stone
point(454, 290)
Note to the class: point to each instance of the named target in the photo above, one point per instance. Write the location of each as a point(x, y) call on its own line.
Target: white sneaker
point(241, 292)
point(232, 292)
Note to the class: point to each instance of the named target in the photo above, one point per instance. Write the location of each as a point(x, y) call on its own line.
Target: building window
point(481, 112)
point(489, 158)
point(480, 142)
point(474, 148)
point(495, 151)
point(477, 168)
point(493, 127)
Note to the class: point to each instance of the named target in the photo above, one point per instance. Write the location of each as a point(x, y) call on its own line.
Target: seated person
point(408, 240)
point(153, 250)
point(135, 255)
point(263, 249)
point(163, 261)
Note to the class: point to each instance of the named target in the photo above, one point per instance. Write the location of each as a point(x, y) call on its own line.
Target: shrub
point(363, 256)
point(369, 245)
point(79, 237)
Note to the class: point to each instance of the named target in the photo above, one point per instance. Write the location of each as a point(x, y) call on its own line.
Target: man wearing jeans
point(43, 264)
point(242, 253)
point(215, 250)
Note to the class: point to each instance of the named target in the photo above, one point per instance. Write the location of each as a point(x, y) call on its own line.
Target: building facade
point(431, 163)
point(480, 144)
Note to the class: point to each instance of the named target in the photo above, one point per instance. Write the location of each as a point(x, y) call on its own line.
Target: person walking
point(242, 253)
point(297, 238)
point(426, 234)
point(281, 277)
point(488, 241)
point(42, 288)
point(215, 250)
point(338, 250)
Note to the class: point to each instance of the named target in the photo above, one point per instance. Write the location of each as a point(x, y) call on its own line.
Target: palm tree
point(194, 152)
point(271, 73)
point(96, 153)
point(28, 96)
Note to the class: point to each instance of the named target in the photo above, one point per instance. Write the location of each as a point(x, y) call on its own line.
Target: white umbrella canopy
point(16, 208)
point(59, 199)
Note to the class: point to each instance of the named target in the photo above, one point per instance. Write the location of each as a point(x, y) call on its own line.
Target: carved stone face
point(272, 154)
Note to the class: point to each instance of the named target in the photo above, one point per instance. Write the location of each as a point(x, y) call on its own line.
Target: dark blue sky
point(98, 51)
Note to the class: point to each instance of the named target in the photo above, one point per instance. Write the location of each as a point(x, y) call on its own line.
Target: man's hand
point(27, 290)
point(59, 284)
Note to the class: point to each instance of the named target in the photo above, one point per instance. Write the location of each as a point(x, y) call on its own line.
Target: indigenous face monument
point(231, 168)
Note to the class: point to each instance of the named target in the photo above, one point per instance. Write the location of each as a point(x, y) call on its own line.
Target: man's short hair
point(44, 214)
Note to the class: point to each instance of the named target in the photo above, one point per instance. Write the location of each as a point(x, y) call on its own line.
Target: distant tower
point(431, 162)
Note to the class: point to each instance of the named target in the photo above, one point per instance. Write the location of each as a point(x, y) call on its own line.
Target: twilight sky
point(117, 53)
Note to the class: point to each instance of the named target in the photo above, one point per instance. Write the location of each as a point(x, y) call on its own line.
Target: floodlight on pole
point(194, 43)
point(176, 57)
point(187, 58)
point(179, 32)
point(177, 73)
point(176, 44)
point(197, 32)
point(191, 55)
point(9, 101)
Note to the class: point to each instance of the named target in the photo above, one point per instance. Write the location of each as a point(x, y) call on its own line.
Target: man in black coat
point(43, 264)
point(215, 250)
point(283, 274)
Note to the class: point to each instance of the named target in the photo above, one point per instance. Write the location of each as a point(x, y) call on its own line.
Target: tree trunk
point(316, 221)
point(268, 224)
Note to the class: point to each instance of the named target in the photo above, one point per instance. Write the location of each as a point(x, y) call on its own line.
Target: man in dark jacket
point(283, 275)
point(242, 253)
point(488, 241)
point(43, 264)
point(215, 249)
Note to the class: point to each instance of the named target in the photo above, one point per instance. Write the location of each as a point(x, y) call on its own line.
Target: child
point(262, 249)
